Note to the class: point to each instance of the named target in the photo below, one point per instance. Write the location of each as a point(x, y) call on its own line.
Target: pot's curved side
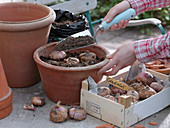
point(64, 83)
point(19, 38)
point(65, 86)
point(5, 95)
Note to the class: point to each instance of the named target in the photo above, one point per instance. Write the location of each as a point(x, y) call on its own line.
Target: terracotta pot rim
point(30, 24)
point(19, 22)
point(6, 100)
point(44, 64)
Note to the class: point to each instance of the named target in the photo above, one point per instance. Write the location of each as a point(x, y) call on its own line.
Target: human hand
point(123, 57)
point(124, 5)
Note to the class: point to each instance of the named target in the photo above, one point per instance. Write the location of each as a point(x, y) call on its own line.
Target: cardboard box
point(116, 113)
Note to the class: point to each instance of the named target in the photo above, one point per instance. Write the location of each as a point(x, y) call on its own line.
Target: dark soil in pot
point(68, 60)
point(72, 59)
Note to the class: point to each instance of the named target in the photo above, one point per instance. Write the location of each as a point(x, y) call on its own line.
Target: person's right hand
point(121, 58)
point(124, 5)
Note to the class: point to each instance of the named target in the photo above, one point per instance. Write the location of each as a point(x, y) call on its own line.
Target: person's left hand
point(117, 9)
point(123, 57)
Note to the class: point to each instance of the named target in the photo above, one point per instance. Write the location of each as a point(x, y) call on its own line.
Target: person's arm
point(146, 5)
point(143, 51)
point(152, 49)
point(138, 5)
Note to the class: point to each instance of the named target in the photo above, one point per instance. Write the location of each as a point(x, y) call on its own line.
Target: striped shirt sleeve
point(153, 49)
point(146, 5)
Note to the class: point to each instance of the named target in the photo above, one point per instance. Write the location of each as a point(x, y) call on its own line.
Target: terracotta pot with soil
point(23, 28)
point(5, 95)
point(62, 82)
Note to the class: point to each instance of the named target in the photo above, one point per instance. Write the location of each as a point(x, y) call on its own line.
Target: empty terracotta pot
point(5, 95)
point(23, 28)
point(64, 83)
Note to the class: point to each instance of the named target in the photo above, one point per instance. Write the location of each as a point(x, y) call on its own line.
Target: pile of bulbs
point(144, 87)
point(58, 113)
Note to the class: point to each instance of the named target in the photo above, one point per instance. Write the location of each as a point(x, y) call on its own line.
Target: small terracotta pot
point(5, 95)
point(23, 28)
point(64, 83)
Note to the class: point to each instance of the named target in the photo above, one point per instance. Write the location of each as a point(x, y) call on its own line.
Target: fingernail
point(99, 72)
point(108, 20)
point(107, 56)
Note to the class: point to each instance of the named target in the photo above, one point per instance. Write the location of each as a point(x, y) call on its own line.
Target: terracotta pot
point(64, 83)
point(23, 28)
point(5, 95)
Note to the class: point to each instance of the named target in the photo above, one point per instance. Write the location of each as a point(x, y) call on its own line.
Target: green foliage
point(103, 6)
point(146, 30)
point(160, 13)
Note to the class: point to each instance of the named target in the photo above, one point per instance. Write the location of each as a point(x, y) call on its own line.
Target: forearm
point(152, 49)
point(146, 5)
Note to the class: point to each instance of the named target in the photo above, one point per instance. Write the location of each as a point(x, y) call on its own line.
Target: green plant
point(102, 8)
point(146, 30)
point(159, 13)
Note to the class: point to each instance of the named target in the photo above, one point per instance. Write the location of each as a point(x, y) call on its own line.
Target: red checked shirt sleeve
point(146, 5)
point(153, 49)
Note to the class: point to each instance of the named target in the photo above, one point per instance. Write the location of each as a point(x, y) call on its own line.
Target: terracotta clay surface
point(23, 28)
point(64, 83)
point(5, 95)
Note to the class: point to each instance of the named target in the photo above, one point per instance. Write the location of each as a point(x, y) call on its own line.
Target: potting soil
point(74, 42)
